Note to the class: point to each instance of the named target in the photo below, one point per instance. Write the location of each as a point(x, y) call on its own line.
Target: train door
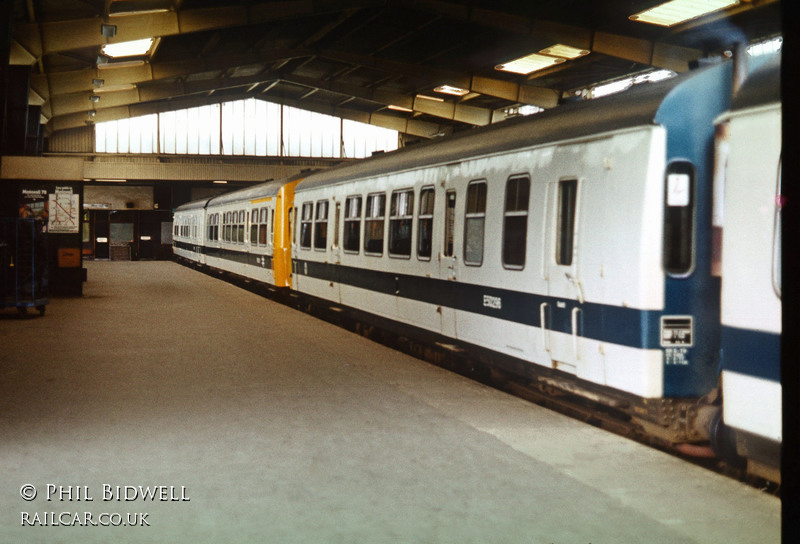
point(561, 315)
point(448, 260)
point(335, 217)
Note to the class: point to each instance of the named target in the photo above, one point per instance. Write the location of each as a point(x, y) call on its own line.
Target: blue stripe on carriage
point(755, 353)
point(242, 257)
point(615, 324)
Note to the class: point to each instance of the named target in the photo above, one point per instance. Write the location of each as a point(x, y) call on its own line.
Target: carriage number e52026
point(496, 303)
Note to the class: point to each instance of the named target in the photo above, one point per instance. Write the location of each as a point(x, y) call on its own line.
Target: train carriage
point(751, 270)
point(574, 248)
point(246, 232)
point(188, 231)
point(576, 241)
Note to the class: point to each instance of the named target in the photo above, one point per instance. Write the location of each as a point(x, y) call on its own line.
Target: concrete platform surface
point(241, 420)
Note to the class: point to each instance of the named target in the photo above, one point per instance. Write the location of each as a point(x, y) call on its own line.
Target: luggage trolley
point(23, 265)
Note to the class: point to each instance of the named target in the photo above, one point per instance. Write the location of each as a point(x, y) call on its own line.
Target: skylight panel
point(135, 48)
point(529, 64)
point(766, 47)
point(678, 11)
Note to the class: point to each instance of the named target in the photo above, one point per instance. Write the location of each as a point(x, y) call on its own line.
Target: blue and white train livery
point(573, 248)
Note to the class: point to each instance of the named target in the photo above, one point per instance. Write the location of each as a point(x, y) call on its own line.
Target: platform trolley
point(23, 264)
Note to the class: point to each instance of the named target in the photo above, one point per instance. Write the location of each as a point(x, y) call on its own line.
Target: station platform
point(192, 411)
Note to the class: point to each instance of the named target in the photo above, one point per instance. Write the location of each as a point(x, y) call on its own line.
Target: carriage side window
point(228, 227)
point(679, 218)
point(474, 220)
point(254, 227)
point(271, 224)
point(425, 223)
point(305, 225)
point(336, 220)
point(515, 222)
point(262, 226)
point(216, 226)
point(373, 233)
point(565, 243)
point(449, 222)
point(321, 225)
point(234, 227)
point(240, 238)
point(352, 223)
point(401, 219)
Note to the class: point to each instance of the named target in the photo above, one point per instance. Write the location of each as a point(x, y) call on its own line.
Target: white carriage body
point(189, 233)
point(616, 257)
point(751, 301)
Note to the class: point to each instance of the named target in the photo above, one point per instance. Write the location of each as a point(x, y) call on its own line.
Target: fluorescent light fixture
point(138, 12)
point(449, 89)
point(431, 98)
point(677, 11)
point(564, 51)
point(653, 77)
point(399, 108)
point(115, 88)
point(529, 109)
point(135, 48)
point(121, 8)
point(220, 182)
point(120, 64)
point(529, 64)
point(611, 88)
point(110, 180)
point(522, 110)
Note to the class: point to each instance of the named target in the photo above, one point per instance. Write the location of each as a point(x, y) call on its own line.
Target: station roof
point(422, 67)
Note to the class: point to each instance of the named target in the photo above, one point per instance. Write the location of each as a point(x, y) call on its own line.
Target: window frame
point(394, 218)
point(510, 214)
point(350, 219)
point(449, 238)
point(471, 216)
point(686, 214)
point(566, 229)
point(306, 225)
point(426, 189)
point(370, 219)
point(321, 244)
point(263, 214)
